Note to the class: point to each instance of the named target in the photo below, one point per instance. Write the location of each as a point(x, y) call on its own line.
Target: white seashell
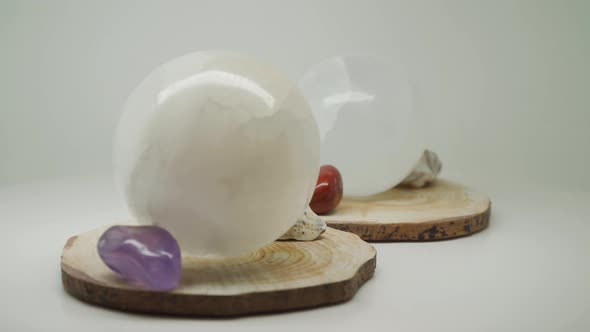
point(307, 228)
point(425, 171)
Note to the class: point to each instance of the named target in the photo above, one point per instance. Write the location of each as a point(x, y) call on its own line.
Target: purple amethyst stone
point(146, 255)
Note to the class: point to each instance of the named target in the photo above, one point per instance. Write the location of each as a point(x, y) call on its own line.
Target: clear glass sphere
point(219, 149)
point(370, 128)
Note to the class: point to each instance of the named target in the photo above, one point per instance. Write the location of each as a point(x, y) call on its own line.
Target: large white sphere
point(220, 149)
point(369, 125)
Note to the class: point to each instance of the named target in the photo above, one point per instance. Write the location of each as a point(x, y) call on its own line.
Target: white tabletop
point(529, 271)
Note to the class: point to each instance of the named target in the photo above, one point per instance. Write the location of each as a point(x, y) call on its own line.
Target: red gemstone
point(328, 190)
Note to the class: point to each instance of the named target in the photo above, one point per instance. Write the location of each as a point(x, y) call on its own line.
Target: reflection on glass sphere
point(369, 124)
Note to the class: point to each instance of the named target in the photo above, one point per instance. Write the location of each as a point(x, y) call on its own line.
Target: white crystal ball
point(370, 128)
point(220, 149)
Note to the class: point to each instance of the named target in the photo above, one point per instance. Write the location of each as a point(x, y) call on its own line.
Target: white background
point(506, 84)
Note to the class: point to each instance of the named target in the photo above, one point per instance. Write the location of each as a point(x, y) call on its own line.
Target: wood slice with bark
point(439, 211)
point(284, 275)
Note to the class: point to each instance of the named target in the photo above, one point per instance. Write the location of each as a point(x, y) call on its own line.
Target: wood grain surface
point(284, 275)
point(440, 211)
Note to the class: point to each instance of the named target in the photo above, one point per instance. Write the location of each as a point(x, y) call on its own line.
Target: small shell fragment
point(426, 170)
point(307, 228)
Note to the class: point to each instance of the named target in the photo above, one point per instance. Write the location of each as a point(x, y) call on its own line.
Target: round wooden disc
point(441, 211)
point(284, 275)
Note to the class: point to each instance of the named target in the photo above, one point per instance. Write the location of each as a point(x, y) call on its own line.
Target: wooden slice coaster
point(441, 211)
point(284, 275)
